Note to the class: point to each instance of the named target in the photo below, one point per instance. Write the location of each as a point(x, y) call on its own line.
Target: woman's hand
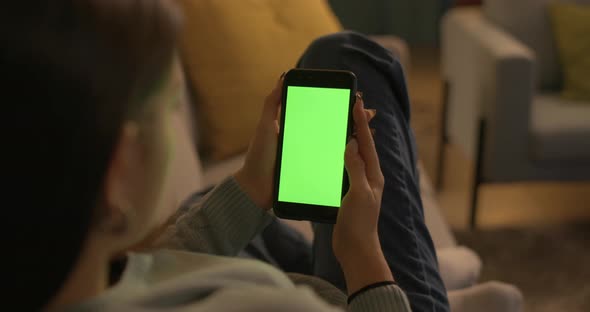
point(256, 177)
point(355, 239)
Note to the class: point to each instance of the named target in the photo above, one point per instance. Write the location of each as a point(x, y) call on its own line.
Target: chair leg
point(444, 138)
point(478, 176)
point(474, 199)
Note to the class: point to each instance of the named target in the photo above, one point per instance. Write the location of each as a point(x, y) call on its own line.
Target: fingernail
point(373, 112)
point(282, 75)
point(359, 95)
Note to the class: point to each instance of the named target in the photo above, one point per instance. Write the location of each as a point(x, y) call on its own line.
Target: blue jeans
point(405, 240)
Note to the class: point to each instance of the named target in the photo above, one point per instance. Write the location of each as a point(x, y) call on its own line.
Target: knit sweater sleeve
point(220, 223)
point(382, 298)
point(225, 220)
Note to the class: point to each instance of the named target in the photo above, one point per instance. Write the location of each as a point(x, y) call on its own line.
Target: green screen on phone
point(314, 140)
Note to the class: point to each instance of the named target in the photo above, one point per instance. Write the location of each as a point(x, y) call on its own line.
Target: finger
point(370, 113)
point(278, 116)
point(273, 101)
point(355, 166)
point(372, 132)
point(366, 144)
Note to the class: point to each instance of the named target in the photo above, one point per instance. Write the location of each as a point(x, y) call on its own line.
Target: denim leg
point(405, 240)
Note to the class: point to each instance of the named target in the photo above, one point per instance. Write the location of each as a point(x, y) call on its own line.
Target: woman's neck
point(88, 279)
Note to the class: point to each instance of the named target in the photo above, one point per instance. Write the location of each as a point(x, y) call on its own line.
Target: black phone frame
point(312, 78)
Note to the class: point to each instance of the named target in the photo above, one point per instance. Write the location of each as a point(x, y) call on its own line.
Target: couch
point(459, 266)
point(503, 107)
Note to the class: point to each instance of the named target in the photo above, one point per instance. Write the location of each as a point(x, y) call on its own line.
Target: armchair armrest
point(491, 78)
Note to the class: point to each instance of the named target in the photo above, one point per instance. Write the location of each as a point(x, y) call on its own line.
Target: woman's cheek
point(167, 176)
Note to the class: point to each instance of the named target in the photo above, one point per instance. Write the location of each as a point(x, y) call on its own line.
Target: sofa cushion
point(533, 29)
point(571, 28)
point(234, 52)
point(438, 227)
point(560, 129)
point(459, 267)
point(491, 296)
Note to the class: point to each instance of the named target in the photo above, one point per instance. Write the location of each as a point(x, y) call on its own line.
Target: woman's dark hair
point(71, 73)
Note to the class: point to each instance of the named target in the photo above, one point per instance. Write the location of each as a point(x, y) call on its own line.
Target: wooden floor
point(515, 204)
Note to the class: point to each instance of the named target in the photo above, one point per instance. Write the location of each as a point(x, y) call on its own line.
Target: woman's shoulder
point(183, 265)
point(177, 267)
point(199, 282)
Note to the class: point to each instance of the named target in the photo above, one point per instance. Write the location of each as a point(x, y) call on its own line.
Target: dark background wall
point(414, 20)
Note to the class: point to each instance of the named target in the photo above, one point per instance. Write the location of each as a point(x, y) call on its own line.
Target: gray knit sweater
point(197, 272)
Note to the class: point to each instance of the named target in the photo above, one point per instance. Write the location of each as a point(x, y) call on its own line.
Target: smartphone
point(316, 121)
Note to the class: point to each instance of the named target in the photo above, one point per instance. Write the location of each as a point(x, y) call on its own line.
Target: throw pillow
point(234, 52)
point(571, 28)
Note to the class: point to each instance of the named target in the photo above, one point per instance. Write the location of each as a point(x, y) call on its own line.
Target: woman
point(90, 87)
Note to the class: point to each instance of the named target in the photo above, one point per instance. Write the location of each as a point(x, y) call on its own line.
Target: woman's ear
point(120, 181)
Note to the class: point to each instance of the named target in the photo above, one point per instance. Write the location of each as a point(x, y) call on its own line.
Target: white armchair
point(502, 106)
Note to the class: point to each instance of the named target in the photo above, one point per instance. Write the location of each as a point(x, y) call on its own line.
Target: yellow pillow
point(571, 28)
point(234, 51)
